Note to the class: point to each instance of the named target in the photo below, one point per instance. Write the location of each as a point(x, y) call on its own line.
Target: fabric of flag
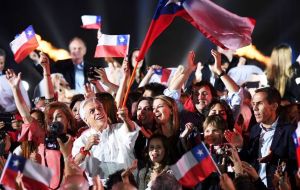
point(229, 31)
point(24, 44)
point(296, 137)
point(112, 45)
point(163, 75)
point(194, 166)
point(91, 22)
point(35, 176)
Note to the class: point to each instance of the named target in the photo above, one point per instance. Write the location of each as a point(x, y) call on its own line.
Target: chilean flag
point(35, 176)
point(162, 75)
point(91, 22)
point(24, 44)
point(220, 26)
point(194, 166)
point(296, 137)
point(112, 45)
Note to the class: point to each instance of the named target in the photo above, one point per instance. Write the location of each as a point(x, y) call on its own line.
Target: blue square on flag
point(29, 32)
point(16, 163)
point(200, 152)
point(158, 71)
point(122, 40)
point(98, 19)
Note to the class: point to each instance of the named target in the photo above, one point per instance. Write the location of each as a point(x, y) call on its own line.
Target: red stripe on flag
point(165, 75)
point(91, 26)
point(26, 49)
point(198, 173)
point(155, 29)
point(298, 155)
point(9, 179)
point(110, 51)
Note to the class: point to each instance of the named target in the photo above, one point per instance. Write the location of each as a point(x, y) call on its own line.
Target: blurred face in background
point(77, 50)
point(2, 63)
point(75, 111)
point(212, 135)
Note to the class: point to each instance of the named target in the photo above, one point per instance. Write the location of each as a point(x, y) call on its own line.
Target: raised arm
point(230, 85)
point(123, 84)
point(149, 74)
point(14, 82)
point(49, 90)
point(178, 80)
point(103, 78)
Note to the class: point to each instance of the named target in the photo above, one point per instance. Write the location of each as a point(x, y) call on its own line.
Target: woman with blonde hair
point(279, 71)
point(167, 119)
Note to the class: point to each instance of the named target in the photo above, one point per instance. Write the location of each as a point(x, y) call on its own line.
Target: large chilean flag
point(220, 26)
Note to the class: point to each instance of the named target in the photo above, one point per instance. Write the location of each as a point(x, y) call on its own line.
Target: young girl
point(157, 161)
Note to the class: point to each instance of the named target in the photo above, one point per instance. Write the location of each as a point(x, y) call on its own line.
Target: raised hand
point(101, 75)
point(92, 140)
point(44, 60)
point(191, 61)
point(89, 93)
point(234, 138)
point(226, 182)
point(250, 170)
point(66, 148)
point(188, 129)
point(13, 79)
point(216, 67)
point(123, 114)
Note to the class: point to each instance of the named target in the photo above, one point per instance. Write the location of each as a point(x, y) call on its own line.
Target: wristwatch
point(221, 74)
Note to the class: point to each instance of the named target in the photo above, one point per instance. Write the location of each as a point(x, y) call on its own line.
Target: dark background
point(58, 21)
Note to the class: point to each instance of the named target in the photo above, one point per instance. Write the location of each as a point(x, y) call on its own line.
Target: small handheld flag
point(112, 45)
point(24, 44)
point(91, 22)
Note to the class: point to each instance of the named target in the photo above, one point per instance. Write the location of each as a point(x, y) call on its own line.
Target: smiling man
point(103, 148)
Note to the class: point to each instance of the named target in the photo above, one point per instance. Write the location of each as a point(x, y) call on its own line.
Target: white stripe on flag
point(108, 40)
point(183, 165)
point(38, 172)
point(18, 42)
point(88, 19)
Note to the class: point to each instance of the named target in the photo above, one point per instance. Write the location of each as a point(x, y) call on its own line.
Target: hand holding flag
point(24, 44)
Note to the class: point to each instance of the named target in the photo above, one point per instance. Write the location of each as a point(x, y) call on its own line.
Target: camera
point(56, 130)
point(92, 73)
point(7, 118)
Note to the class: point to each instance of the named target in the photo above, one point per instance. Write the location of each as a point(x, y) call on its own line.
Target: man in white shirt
point(104, 148)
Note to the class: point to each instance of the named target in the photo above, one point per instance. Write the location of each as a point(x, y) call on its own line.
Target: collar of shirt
point(79, 66)
point(273, 126)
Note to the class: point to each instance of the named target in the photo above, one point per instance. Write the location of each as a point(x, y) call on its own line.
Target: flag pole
point(219, 172)
point(130, 84)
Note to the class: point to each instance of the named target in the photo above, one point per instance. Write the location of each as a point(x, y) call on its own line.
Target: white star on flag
point(29, 33)
point(200, 152)
point(15, 163)
point(121, 39)
point(177, 2)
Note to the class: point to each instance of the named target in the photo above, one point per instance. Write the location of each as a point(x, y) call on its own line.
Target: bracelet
point(47, 101)
point(221, 74)
point(46, 75)
point(84, 152)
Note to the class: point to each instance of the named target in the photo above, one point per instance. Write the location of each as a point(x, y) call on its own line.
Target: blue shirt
point(265, 141)
point(79, 78)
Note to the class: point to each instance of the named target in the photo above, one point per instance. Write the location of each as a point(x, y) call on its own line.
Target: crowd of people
point(80, 129)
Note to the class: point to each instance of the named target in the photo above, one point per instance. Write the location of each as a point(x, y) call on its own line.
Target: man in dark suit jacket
point(75, 69)
point(271, 139)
